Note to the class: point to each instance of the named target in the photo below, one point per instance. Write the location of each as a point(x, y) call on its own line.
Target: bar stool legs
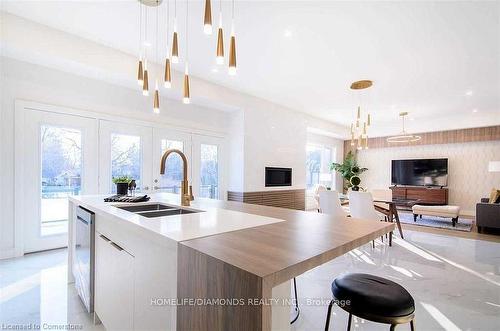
point(349, 322)
point(297, 310)
point(327, 324)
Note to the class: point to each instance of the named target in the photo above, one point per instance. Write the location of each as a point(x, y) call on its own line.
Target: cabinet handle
point(116, 246)
point(104, 237)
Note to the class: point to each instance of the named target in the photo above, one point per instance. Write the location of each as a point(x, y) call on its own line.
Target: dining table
point(392, 208)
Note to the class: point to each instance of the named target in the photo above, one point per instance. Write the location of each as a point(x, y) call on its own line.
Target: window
point(61, 153)
point(171, 180)
point(318, 160)
point(126, 158)
point(209, 172)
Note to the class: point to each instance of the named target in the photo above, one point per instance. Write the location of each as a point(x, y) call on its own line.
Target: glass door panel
point(125, 150)
point(167, 139)
point(208, 167)
point(171, 180)
point(126, 158)
point(61, 154)
point(209, 171)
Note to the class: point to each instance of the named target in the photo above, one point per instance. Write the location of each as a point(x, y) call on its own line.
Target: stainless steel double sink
point(152, 210)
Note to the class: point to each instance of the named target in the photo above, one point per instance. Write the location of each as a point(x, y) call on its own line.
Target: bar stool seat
point(373, 298)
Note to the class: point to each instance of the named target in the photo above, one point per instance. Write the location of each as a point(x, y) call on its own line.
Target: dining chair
point(329, 203)
point(361, 206)
point(382, 194)
point(317, 189)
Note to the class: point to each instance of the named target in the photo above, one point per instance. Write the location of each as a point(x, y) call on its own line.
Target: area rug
point(437, 222)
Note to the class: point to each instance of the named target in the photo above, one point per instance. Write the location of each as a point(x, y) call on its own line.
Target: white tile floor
point(455, 283)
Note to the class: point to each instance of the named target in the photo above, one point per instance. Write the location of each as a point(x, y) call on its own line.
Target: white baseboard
point(8, 253)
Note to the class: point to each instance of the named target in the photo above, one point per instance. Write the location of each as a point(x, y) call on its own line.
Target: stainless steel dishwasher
point(83, 265)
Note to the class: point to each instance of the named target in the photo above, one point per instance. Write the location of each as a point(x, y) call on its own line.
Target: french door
point(124, 150)
point(57, 160)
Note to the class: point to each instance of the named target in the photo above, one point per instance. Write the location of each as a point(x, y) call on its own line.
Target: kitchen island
point(167, 272)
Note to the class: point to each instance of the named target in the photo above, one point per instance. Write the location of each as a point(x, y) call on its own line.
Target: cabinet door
point(114, 285)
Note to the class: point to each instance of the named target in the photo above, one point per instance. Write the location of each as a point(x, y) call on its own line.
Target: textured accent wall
point(468, 176)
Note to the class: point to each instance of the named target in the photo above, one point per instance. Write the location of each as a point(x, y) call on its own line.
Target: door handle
point(104, 237)
point(116, 246)
point(156, 187)
point(146, 188)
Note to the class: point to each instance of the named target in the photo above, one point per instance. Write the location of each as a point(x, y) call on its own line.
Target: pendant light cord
point(140, 29)
point(145, 33)
point(187, 32)
point(175, 15)
point(168, 25)
point(157, 11)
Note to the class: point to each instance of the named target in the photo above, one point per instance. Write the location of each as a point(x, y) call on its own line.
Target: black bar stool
point(372, 298)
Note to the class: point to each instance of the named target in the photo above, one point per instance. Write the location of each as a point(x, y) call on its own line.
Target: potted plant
point(350, 171)
point(122, 184)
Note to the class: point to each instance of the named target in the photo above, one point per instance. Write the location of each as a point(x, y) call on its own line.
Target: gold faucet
point(186, 189)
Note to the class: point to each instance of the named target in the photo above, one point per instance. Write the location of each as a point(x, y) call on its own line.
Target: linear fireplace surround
point(292, 199)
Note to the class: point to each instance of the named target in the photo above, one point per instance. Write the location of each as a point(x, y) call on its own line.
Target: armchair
point(487, 215)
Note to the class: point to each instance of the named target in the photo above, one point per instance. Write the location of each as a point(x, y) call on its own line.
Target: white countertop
point(211, 221)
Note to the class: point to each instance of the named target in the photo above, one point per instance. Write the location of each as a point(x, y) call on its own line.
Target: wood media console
point(424, 195)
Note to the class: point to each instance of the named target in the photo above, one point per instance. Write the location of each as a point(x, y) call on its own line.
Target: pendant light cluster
point(173, 54)
point(359, 128)
point(219, 50)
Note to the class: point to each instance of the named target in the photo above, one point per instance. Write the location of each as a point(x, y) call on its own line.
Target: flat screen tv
point(278, 176)
point(420, 172)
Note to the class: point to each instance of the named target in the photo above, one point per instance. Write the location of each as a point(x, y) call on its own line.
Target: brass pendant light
point(175, 48)
point(207, 21)
point(187, 96)
point(140, 73)
point(167, 82)
point(156, 102)
point(145, 84)
point(168, 74)
point(232, 47)
point(175, 42)
point(219, 59)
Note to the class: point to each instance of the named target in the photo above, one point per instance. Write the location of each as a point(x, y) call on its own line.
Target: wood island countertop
point(248, 263)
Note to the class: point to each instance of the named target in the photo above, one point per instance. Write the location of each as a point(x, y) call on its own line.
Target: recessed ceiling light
point(287, 33)
point(474, 110)
point(468, 93)
point(215, 70)
point(412, 118)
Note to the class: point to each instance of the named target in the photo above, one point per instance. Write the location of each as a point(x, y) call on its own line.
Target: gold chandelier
point(172, 51)
point(359, 128)
point(403, 137)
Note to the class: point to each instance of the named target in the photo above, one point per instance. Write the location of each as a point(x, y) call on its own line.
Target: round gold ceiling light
point(361, 84)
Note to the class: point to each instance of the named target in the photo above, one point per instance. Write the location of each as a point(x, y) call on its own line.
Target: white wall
point(276, 136)
point(468, 176)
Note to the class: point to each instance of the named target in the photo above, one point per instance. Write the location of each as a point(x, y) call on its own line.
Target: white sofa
point(441, 211)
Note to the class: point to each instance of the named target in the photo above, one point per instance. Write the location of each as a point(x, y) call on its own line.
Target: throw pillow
point(494, 196)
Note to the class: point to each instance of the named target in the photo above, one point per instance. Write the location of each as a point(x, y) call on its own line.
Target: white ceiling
point(438, 60)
